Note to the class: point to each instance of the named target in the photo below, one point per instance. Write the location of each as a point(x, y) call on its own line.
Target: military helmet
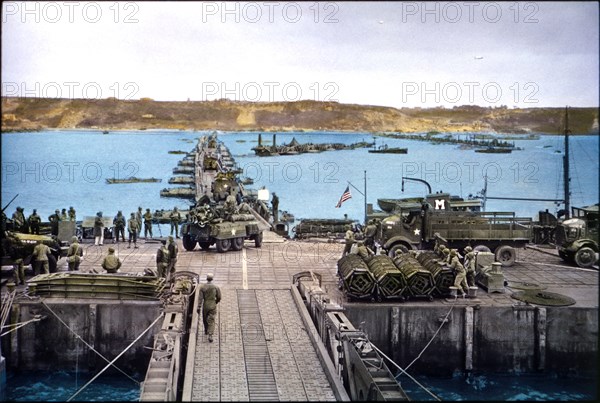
point(445, 249)
point(56, 211)
point(453, 252)
point(147, 209)
point(209, 276)
point(73, 239)
point(468, 249)
point(111, 249)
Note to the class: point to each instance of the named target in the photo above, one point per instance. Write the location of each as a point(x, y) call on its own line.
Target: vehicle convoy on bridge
point(577, 237)
point(418, 225)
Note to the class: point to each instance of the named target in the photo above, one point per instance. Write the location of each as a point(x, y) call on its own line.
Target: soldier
point(34, 222)
point(470, 265)
point(349, 240)
point(173, 250)
point(119, 223)
point(19, 223)
point(111, 262)
point(230, 207)
point(54, 220)
point(439, 244)
point(147, 223)
point(63, 215)
point(460, 273)
point(162, 259)
point(132, 228)
point(175, 218)
point(41, 253)
point(72, 214)
point(275, 207)
point(138, 217)
point(74, 254)
point(98, 229)
point(363, 251)
point(446, 255)
point(210, 296)
point(19, 272)
point(370, 231)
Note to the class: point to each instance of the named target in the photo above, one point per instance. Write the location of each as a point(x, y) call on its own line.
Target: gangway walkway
point(262, 351)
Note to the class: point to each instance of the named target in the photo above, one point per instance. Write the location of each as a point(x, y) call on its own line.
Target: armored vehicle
point(577, 237)
point(415, 226)
point(209, 226)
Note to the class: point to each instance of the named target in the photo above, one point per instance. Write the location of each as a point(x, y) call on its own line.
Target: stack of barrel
point(442, 274)
point(390, 281)
point(358, 281)
point(420, 282)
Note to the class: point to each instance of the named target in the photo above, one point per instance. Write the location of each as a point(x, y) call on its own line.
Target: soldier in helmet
point(138, 217)
point(445, 255)
point(119, 223)
point(363, 251)
point(54, 220)
point(348, 240)
point(111, 262)
point(173, 250)
point(19, 272)
point(370, 231)
point(74, 254)
point(98, 229)
point(132, 228)
point(162, 259)
point(63, 215)
point(460, 273)
point(210, 296)
point(147, 223)
point(41, 252)
point(175, 218)
point(275, 207)
point(470, 265)
point(72, 214)
point(19, 222)
point(34, 222)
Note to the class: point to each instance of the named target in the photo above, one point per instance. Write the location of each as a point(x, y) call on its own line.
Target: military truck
point(415, 225)
point(577, 237)
point(207, 226)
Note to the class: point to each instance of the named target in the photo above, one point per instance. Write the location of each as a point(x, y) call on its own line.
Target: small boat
point(177, 152)
point(186, 193)
point(494, 150)
point(247, 181)
point(181, 180)
point(132, 179)
point(105, 132)
point(384, 149)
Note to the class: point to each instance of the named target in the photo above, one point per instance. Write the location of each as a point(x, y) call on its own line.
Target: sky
point(398, 54)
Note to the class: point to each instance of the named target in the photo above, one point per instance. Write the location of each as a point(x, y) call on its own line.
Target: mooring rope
point(21, 324)
point(117, 357)
point(87, 344)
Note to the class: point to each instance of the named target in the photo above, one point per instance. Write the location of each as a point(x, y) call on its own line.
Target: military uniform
point(162, 260)
point(470, 266)
point(54, 220)
point(98, 230)
point(460, 272)
point(119, 223)
point(138, 217)
point(230, 207)
point(19, 272)
point(19, 222)
point(72, 214)
point(370, 232)
point(63, 215)
point(173, 251)
point(349, 239)
point(111, 262)
point(363, 251)
point(175, 218)
point(275, 207)
point(34, 222)
point(147, 223)
point(210, 295)
point(74, 254)
point(41, 253)
point(132, 228)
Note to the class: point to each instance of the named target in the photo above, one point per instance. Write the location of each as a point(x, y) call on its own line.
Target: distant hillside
point(113, 114)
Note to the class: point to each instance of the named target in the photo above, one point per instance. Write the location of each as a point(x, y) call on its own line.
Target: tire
point(585, 257)
point(237, 244)
point(481, 248)
point(188, 243)
point(398, 246)
point(223, 245)
point(204, 245)
point(506, 255)
point(258, 240)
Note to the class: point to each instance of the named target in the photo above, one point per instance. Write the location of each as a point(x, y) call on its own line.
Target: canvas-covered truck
point(577, 237)
point(206, 227)
point(415, 226)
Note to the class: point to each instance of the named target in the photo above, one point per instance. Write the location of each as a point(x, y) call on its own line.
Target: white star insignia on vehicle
point(233, 231)
point(417, 231)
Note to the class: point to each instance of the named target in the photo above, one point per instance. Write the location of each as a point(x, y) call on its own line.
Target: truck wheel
point(204, 245)
point(188, 243)
point(237, 244)
point(481, 248)
point(506, 255)
point(398, 246)
point(585, 257)
point(258, 240)
point(223, 245)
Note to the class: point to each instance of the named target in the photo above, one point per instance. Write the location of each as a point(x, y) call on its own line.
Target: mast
point(566, 178)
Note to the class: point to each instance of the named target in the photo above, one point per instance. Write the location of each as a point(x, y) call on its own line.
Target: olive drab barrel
point(390, 280)
point(420, 282)
point(442, 274)
point(358, 281)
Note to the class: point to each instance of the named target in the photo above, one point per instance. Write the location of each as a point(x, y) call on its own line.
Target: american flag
point(345, 196)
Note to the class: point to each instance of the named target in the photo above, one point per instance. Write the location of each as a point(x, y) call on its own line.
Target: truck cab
point(577, 237)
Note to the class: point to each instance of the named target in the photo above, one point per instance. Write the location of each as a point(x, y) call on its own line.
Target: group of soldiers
point(464, 271)
point(134, 225)
point(364, 247)
point(32, 223)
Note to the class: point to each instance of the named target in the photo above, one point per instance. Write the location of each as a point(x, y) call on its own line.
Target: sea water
point(57, 169)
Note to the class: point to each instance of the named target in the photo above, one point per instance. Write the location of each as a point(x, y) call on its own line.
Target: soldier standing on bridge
point(162, 259)
point(147, 223)
point(175, 218)
point(72, 214)
point(210, 296)
point(41, 252)
point(119, 223)
point(19, 222)
point(34, 222)
point(370, 232)
point(275, 207)
point(74, 254)
point(132, 228)
point(349, 240)
point(98, 229)
point(470, 265)
point(173, 250)
point(138, 217)
point(54, 219)
point(460, 280)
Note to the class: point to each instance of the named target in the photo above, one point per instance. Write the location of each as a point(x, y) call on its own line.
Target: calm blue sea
point(58, 169)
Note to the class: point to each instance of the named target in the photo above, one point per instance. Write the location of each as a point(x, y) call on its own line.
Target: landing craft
point(478, 57)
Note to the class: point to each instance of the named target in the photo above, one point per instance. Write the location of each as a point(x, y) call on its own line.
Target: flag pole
point(365, 197)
